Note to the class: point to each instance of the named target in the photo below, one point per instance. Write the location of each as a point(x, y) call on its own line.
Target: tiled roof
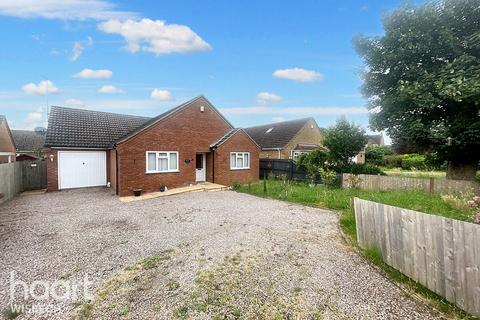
point(78, 128)
point(224, 138)
point(376, 138)
point(27, 140)
point(276, 135)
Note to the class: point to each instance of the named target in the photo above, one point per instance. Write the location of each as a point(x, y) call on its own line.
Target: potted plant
point(137, 192)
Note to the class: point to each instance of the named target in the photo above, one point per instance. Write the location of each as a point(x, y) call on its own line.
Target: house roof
point(224, 138)
point(27, 140)
point(376, 138)
point(78, 128)
point(167, 114)
point(276, 135)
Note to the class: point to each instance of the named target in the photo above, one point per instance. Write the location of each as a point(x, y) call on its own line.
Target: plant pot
point(137, 192)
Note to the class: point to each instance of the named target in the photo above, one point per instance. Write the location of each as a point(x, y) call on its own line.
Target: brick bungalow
point(188, 144)
point(7, 144)
point(287, 139)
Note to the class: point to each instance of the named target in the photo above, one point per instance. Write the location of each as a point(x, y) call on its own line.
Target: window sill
point(155, 172)
point(235, 169)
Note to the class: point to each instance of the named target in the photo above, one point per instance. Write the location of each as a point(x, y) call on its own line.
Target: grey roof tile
point(78, 128)
point(28, 140)
point(276, 135)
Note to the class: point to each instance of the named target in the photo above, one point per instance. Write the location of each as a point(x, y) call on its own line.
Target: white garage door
point(78, 169)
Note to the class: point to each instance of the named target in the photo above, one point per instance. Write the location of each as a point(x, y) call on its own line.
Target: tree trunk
point(461, 170)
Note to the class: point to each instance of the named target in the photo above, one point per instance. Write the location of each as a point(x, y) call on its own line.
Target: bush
point(413, 161)
point(392, 161)
point(433, 162)
point(358, 168)
point(375, 155)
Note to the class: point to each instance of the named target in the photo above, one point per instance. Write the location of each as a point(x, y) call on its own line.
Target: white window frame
point(239, 154)
point(156, 162)
point(296, 153)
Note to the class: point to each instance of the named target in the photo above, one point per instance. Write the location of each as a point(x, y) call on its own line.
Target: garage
point(79, 169)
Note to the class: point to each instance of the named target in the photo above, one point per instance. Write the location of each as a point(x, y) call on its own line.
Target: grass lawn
point(341, 200)
point(399, 172)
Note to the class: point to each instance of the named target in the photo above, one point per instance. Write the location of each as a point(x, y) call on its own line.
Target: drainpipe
point(213, 163)
point(116, 171)
point(279, 156)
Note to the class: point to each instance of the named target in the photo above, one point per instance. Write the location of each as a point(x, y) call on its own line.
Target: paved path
point(293, 249)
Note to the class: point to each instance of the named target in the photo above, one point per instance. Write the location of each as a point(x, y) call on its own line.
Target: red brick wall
point(52, 169)
point(240, 142)
point(188, 132)
point(112, 155)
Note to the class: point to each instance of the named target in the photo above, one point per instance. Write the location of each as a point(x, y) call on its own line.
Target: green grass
point(414, 173)
point(341, 200)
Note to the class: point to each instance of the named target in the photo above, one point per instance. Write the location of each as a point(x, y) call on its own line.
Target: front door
point(200, 167)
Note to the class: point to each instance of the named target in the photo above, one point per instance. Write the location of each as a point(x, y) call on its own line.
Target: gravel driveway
point(253, 257)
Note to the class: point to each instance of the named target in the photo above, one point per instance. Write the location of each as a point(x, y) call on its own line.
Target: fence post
point(432, 185)
point(264, 183)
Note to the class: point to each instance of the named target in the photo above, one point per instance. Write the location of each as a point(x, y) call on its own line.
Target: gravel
point(296, 253)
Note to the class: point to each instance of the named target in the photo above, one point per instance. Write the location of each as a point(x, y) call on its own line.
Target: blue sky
point(257, 61)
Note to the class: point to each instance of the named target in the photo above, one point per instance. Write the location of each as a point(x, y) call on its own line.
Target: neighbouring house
point(188, 144)
point(374, 140)
point(7, 144)
point(29, 143)
point(287, 139)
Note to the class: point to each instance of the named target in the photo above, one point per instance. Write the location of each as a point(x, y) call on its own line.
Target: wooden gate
point(34, 174)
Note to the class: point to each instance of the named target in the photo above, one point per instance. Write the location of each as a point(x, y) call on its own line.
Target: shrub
point(357, 168)
point(413, 161)
point(433, 162)
point(328, 177)
point(375, 155)
point(392, 161)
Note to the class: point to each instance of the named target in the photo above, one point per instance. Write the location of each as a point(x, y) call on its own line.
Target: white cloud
point(74, 103)
point(110, 89)
point(161, 95)
point(77, 51)
point(298, 74)
point(62, 9)
point(278, 119)
point(35, 119)
point(265, 97)
point(43, 88)
point(296, 111)
point(78, 48)
point(155, 36)
point(94, 74)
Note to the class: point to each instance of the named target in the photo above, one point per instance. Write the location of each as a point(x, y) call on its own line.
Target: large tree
point(344, 140)
point(422, 78)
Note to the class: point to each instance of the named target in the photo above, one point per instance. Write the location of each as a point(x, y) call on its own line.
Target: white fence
point(10, 180)
point(440, 253)
point(385, 183)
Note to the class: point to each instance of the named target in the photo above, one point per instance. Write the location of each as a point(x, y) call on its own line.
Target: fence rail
point(372, 182)
point(440, 253)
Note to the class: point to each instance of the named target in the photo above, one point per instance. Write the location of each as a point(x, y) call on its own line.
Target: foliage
point(328, 177)
point(354, 181)
point(413, 161)
point(423, 78)
point(359, 168)
point(344, 140)
point(393, 161)
point(434, 162)
point(375, 155)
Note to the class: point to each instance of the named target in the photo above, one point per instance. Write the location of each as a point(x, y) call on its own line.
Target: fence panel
point(10, 180)
point(385, 183)
point(281, 167)
point(440, 253)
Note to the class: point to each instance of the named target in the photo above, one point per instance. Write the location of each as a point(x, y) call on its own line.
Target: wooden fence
point(281, 167)
point(440, 253)
point(372, 182)
point(20, 176)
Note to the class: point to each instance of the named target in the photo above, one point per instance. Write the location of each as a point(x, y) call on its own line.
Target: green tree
point(344, 140)
point(423, 80)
